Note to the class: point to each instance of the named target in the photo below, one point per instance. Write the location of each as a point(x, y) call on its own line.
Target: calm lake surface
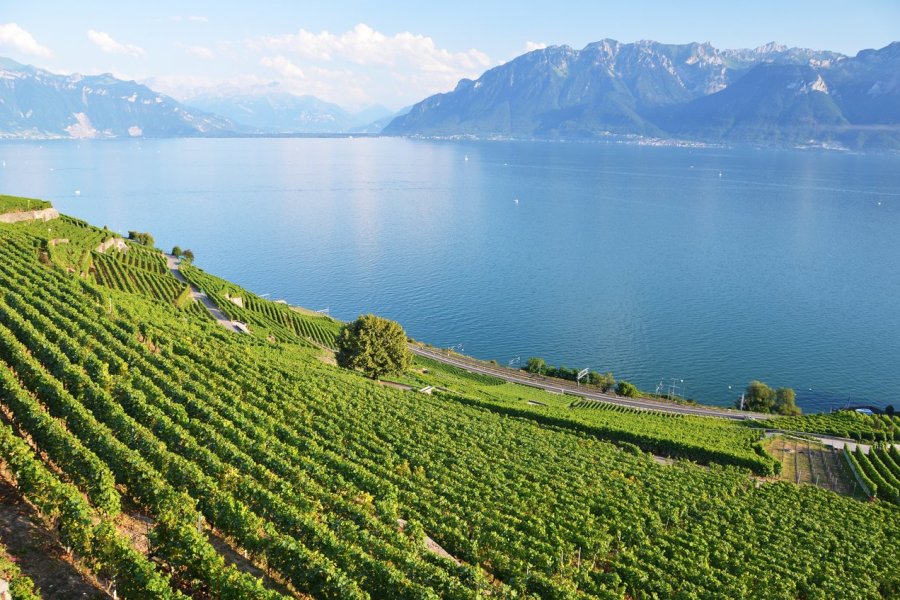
point(709, 266)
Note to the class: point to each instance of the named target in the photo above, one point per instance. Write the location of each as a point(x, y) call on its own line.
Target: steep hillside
point(257, 470)
point(771, 103)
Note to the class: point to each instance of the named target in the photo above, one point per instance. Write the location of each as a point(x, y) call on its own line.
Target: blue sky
point(394, 53)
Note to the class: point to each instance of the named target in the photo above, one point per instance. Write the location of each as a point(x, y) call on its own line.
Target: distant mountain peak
point(770, 48)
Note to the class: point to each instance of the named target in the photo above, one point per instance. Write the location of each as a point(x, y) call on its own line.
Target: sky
point(393, 53)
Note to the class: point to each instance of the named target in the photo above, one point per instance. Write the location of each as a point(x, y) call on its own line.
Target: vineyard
point(700, 439)
point(879, 471)
point(15, 203)
point(114, 272)
point(119, 405)
point(21, 587)
point(276, 319)
point(845, 423)
point(600, 405)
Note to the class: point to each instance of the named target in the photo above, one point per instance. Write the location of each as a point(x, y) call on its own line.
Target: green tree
point(176, 251)
point(785, 402)
point(142, 238)
point(606, 381)
point(626, 388)
point(758, 397)
point(536, 365)
point(373, 345)
point(188, 255)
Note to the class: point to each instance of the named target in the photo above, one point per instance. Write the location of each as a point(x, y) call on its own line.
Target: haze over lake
point(710, 266)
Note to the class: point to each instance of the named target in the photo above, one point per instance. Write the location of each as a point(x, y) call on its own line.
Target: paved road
point(220, 317)
point(566, 387)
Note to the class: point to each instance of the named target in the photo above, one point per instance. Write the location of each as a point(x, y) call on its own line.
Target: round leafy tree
point(373, 345)
point(626, 388)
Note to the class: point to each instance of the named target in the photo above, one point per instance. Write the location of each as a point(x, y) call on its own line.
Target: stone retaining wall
point(45, 214)
point(116, 242)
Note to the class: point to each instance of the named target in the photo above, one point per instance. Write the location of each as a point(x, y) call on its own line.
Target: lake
point(702, 267)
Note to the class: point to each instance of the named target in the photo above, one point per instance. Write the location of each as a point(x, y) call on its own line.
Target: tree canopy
point(626, 388)
point(759, 397)
point(141, 238)
point(373, 345)
point(536, 365)
point(785, 402)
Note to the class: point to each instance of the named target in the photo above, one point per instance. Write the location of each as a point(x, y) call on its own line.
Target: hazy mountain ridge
point(767, 95)
point(35, 103)
point(269, 109)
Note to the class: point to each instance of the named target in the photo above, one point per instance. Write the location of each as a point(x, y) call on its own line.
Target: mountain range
point(771, 95)
point(270, 109)
point(35, 103)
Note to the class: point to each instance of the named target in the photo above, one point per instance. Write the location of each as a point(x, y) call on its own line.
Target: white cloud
point(340, 86)
point(363, 45)
point(363, 65)
point(530, 46)
point(198, 51)
point(105, 42)
point(13, 36)
point(284, 67)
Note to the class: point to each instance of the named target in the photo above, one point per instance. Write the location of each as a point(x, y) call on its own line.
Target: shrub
point(626, 388)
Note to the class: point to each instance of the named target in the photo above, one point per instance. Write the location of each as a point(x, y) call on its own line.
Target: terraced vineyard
point(137, 409)
point(114, 271)
point(15, 203)
point(879, 471)
point(278, 320)
point(66, 241)
point(845, 423)
point(702, 439)
point(600, 405)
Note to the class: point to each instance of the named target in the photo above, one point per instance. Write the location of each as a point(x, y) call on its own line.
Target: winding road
point(221, 318)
